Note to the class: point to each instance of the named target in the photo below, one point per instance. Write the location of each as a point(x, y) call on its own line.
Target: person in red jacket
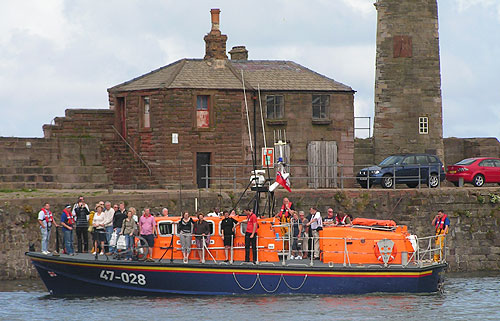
point(251, 236)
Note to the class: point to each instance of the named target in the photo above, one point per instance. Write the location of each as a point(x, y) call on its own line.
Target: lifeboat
point(367, 256)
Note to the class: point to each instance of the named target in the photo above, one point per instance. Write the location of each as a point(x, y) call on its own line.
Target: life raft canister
point(385, 251)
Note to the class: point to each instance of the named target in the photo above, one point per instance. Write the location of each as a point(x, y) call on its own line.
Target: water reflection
point(465, 297)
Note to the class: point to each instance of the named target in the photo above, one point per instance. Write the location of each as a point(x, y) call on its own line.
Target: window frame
point(281, 106)
point(322, 104)
point(423, 125)
point(172, 223)
point(210, 108)
point(144, 118)
point(212, 226)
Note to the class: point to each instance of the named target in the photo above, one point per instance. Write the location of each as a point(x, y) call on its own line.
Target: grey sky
point(57, 54)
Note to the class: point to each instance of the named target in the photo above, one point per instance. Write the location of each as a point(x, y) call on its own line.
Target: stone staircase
point(124, 168)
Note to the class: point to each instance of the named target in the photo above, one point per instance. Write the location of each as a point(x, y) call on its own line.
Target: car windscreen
point(391, 160)
point(466, 161)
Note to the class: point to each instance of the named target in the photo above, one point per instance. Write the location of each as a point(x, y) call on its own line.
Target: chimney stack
point(239, 53)
point(215, 41)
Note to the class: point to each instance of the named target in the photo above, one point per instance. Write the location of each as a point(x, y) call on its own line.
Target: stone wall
point(474, 241)
point(457, 149)
point(122, 166)
point(70, 162)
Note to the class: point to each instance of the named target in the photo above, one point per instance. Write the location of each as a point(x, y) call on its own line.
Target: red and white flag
point(282, 179)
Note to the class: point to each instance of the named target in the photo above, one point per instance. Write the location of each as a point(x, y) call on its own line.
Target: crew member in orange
point(342, 218)
point(442, 223)
point(284, 214)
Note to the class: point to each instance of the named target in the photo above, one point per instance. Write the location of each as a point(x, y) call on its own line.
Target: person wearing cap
point(67, 222)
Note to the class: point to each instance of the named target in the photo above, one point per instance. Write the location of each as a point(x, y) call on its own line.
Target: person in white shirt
point(109, 214)
point(316, 225)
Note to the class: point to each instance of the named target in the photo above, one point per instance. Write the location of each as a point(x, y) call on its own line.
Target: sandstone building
point(164, 126)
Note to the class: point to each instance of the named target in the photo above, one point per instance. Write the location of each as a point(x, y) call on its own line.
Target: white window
point(146, 122)
point(423, 125)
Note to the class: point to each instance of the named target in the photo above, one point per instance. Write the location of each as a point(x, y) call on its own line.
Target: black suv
point(406, 168)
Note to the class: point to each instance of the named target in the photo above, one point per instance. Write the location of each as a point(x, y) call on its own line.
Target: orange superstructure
point(352, 244)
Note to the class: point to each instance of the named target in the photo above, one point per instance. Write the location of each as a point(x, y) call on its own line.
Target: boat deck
point(289, 264)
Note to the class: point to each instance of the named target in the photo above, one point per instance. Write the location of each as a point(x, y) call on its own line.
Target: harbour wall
point(473, 242)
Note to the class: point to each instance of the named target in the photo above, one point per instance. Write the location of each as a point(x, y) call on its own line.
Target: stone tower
point(408, 108)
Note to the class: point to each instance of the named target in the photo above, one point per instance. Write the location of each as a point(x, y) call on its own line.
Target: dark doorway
point(120, 101)
point(202, 159)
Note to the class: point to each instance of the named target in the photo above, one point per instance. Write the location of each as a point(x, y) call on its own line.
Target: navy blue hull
point(66, 276)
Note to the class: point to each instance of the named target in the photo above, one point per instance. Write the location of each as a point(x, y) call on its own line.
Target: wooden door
point(322, 164)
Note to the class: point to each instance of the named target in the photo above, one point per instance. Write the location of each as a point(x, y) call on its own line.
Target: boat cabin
point(366, 242)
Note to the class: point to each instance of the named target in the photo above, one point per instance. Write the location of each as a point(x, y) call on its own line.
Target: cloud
point(44, 19)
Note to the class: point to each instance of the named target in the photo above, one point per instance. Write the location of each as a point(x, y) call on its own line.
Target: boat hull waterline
point(68, 276)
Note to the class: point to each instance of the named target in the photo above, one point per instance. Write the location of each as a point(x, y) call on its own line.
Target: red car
point(478, 171)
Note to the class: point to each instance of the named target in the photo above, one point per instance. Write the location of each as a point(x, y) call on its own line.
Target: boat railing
point(431, 249)
point(426, 250)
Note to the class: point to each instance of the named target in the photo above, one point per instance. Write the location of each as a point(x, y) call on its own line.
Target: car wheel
point(433, 181)
point(478, 180)
point(455, 183)
point(387, 181)
point(412, 185)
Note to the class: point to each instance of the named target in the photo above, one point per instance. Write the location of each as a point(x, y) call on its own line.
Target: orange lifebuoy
point(378, 255)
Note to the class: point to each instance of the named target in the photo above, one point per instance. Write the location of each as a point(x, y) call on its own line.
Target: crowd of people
point(305, 229)
point(106, 223)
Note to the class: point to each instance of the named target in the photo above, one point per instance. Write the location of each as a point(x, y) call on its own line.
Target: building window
point(320, 105)
point(423, 125)
point(274, 107)
point(146, 120)
point(203, 111)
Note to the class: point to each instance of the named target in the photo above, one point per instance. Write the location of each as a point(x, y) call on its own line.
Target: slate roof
point(226, 74)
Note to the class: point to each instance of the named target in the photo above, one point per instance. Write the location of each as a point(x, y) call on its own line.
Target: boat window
point(166, 228)
point(243, 228)
point(212, 227)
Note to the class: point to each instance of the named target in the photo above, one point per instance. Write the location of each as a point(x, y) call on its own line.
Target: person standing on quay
point(251, 236)
point(45, 219)
point(441, 223)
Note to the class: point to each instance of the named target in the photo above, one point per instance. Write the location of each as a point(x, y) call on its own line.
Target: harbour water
point(465, 297)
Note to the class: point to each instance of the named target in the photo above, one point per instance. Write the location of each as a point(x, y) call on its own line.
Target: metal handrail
point(334, 172)
point(133, 150)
